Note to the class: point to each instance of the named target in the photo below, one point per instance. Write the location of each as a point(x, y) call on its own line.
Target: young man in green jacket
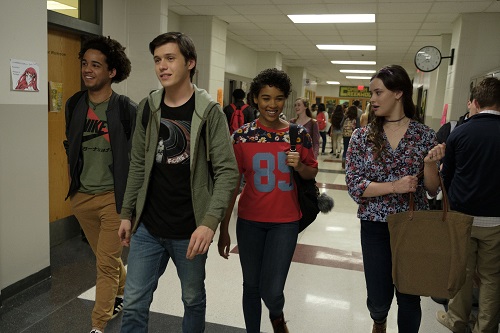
point(182, 176)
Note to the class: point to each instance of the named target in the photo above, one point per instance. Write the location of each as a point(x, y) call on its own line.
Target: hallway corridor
point(325, 290)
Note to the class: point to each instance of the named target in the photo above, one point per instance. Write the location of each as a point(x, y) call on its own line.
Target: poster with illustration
point(24, 75)
point(56, 95)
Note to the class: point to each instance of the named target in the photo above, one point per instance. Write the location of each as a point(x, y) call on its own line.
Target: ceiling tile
point(402, 27)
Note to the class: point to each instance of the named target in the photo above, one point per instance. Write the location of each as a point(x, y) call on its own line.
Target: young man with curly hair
point(99, 123)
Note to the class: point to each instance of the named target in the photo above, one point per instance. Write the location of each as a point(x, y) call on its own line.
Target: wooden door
point(63, 71)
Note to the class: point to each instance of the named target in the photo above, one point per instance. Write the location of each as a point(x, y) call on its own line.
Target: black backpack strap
point(204, 136)
point(73, 100)
point(293, 132)
point(124, 103)
point(68, 113)
point(146, 112)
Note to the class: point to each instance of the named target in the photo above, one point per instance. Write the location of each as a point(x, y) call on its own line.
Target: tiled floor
point(325, 290)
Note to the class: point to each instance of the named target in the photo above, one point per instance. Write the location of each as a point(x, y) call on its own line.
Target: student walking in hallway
point(182, 175)
point(382, 162)
point(268, 209)
point(99, 124)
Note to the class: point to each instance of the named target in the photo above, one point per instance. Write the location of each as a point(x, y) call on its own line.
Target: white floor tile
point(318, 299)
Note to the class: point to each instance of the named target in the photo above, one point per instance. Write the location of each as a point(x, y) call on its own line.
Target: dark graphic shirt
point(168, 212)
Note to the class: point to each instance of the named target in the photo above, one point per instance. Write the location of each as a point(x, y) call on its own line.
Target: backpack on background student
point(237, 117)
point(321, 119)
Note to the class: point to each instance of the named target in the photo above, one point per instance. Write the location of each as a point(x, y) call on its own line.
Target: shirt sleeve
point(355, 161)
point(448, 170)
point(306, 148)
point(238, 153)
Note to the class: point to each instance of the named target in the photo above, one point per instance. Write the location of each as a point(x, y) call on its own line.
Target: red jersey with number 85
point(269, 194)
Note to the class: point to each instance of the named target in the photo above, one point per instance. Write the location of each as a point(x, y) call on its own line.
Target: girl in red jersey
point(268, 208)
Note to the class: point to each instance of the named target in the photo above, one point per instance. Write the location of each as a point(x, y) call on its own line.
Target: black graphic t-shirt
point(96, 176)
point(168, 212)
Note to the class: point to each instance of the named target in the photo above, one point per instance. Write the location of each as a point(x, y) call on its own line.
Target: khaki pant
point(100, 222)
point(484, 255)
point(336, 141)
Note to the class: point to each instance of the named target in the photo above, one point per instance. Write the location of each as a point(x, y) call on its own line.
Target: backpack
point(237, 117)
point(310, 200)
point(124, 102)
point(349, 127)
point(320, 118)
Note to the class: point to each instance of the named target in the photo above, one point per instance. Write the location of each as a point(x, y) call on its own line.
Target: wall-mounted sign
point(352, 91)
point(24, 75)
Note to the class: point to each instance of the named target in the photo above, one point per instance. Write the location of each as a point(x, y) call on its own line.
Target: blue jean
point(323, 139)
point(147, 261)
point(346, 145)
point(266, 251)
point(377, 262)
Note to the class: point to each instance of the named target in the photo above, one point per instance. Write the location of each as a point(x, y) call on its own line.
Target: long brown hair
point(394, 78)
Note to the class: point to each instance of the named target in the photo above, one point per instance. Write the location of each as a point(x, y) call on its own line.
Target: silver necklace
point(95, 105)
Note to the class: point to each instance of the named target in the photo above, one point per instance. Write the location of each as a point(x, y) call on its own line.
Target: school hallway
point(325, 290)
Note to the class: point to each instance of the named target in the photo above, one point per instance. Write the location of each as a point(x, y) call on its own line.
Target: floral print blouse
point(407, 159)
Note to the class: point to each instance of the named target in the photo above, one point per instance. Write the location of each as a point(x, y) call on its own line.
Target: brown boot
point(279, 325)
point(379, 328)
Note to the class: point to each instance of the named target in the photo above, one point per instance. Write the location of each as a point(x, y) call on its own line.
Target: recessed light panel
point(347, 47)
point(349, 62)
point(333, 18)
point(359, 77)
point(358, 71)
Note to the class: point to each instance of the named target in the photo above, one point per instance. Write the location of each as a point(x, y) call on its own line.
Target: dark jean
point(323, 139)
point(377, 262)
point(147, 261)
point(266, 251)
point(346, 145)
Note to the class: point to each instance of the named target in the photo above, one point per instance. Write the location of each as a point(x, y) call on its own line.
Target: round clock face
point(428, 58)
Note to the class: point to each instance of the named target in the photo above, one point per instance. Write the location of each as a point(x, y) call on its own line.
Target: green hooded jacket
point(211, 190)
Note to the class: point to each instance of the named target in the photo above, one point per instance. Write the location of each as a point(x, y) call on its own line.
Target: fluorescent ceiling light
point(358, 71)
point(359, 77)
point(348, 62)
point(54, 5)
point(333, 18)
point(333, 82)
point(347, 47)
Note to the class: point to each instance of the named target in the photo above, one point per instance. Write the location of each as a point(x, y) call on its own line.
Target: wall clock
point(428, 58)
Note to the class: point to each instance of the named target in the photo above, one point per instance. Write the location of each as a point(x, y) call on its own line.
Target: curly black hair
point(271, 77)
point(114, 52)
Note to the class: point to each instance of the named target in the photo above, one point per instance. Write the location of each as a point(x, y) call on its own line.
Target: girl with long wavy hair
point(382, 163)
